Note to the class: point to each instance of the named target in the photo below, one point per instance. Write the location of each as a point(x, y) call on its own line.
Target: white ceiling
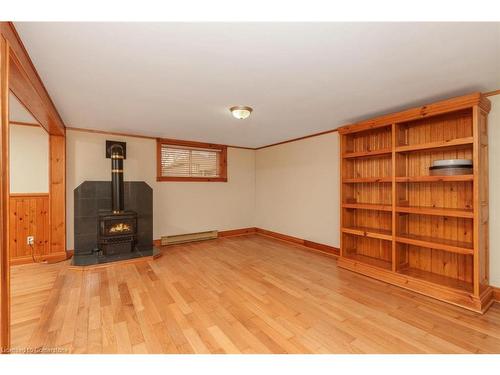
point(177, 80)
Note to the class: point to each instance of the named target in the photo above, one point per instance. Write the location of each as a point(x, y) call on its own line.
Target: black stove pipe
point(117, 178)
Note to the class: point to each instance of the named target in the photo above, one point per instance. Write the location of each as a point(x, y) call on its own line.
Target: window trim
point(176, 142)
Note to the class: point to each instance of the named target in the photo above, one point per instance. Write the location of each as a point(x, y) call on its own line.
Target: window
point(191, 161)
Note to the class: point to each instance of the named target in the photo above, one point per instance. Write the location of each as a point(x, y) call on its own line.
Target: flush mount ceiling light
point(241, 112)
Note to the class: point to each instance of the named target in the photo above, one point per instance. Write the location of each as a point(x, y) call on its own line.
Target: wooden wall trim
point(4, 197)
point(496, 293)
point(224, 233)
point(325, 249)
point(29, 195)
point(57, 193)
point(280, 236)
point(27, 85)
point(49, 258)
point(237, 232)
point(132, 135)
point(298, 139)
point(178, 142)
point(492, 93)
point(25, 124)
point(95, 131)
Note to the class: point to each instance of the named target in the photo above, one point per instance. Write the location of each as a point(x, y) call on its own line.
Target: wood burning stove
point(117, 230)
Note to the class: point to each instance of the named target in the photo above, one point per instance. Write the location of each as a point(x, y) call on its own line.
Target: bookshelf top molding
point(424, 111)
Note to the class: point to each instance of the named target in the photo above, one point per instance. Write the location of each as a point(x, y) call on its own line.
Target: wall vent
point(190, 237)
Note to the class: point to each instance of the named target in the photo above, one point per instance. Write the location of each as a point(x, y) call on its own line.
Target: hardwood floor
point(248, 294)
point(31, 285)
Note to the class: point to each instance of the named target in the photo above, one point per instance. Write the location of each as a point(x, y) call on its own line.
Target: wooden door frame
point(19, 76)
point(4, 197)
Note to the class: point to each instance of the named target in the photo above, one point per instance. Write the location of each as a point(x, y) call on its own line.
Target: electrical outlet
point(30, 240)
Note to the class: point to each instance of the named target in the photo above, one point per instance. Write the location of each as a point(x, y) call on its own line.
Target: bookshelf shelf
point(436, 145)
point(437, 211)
point(382, 234)
point(440, 280)
point(457, 178)
point(372, 261)
point(452, 246)
point(368, 206)
point(364, 154)
point(364, 180)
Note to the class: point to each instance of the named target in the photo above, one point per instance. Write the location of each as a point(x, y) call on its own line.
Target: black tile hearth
point(93, 259)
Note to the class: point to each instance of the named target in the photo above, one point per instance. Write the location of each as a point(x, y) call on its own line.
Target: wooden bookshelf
point(425, 233)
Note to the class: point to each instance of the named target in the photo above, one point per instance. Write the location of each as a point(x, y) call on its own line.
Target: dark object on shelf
point(451, 162)
point(451, 167)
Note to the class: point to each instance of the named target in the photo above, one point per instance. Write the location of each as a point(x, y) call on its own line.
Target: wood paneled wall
point(29, 216)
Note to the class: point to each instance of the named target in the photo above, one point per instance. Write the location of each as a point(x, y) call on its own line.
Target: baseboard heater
point(189, 237)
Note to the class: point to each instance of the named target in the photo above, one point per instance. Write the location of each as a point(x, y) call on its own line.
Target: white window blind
point(178, 161)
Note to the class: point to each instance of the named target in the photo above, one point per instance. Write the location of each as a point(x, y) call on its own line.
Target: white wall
point(297, 189)
point(494, 176)
point(29, 159)
point(179, 207)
